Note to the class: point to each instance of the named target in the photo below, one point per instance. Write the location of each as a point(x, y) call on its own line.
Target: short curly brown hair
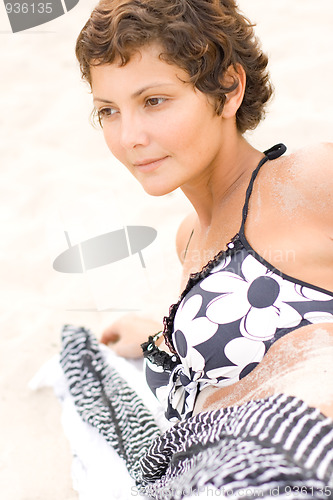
point(203, 37)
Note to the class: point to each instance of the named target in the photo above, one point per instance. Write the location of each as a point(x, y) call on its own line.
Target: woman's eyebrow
point(102, 100)
point(151, 86)
point(138, 92)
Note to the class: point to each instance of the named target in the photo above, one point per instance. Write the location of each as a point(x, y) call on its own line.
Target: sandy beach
point(59, 183)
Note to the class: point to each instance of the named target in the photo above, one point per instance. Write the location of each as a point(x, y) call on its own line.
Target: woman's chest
point(298, 248)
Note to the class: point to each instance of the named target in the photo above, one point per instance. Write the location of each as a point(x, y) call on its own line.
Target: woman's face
point(159, 126)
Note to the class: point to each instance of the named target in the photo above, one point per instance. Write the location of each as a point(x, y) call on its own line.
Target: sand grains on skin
point(299, 364)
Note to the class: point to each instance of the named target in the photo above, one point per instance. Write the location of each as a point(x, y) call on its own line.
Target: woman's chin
point(158, 189)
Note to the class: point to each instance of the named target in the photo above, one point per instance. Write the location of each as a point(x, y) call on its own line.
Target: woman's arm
point(126, 335)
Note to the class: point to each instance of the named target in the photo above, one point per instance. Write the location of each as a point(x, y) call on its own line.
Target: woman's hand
point(126, 334)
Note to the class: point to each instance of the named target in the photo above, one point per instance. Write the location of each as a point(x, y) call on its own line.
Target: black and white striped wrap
point(103, 398)
point(274, 447)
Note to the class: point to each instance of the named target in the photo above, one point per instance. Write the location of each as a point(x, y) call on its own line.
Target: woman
point(176, 84)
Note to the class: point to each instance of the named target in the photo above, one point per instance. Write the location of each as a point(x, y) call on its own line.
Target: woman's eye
point(105, 113)
point(152, 102)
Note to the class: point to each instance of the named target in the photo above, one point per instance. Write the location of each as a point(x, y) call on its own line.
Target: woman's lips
point(150, 164)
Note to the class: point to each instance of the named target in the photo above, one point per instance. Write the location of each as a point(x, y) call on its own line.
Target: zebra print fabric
point(276, 447)
point(104, 400)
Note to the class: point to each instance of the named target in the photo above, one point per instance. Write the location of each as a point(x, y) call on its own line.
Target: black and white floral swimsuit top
point(227, 318)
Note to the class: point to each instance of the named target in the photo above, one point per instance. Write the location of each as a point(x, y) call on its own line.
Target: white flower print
point(311, 294)
point(260, 299)
point(224, 262)
point(188, 332)
point(319, 317)
point(241, 352)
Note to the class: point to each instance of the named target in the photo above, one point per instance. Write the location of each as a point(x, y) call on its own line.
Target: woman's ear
point(235, 97)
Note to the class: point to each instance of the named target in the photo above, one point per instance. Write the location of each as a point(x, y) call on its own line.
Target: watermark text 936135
point(28, 7)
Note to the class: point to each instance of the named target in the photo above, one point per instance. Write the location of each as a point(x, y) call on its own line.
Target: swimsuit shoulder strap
point(271, 154)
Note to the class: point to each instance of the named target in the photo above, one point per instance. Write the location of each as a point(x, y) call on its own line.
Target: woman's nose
point(133, 132)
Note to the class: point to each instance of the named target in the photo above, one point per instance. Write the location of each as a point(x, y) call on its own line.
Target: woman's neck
point(210, 192)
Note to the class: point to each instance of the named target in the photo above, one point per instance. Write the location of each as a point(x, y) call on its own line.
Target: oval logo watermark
point(105, 249)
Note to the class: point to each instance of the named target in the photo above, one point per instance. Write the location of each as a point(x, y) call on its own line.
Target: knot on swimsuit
point(160, 358)
point(228, 316)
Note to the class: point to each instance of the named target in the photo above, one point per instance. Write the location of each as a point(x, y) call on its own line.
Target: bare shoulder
point(314, 164)
point(306, 177)
point(184, 233)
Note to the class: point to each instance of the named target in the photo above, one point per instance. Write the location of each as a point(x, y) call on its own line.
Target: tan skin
point(299, 366)
point(291, 203)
